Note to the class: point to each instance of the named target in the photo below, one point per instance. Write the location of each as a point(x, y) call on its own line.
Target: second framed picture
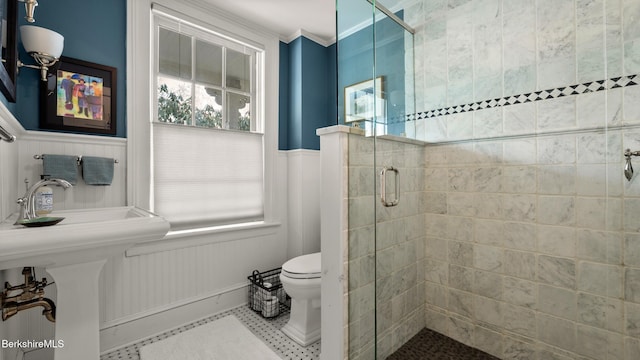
point(79, 97)
point(364, 100)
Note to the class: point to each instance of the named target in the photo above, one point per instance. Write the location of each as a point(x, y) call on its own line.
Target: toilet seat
point(303, 267)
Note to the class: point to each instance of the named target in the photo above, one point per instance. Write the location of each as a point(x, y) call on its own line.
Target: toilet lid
point(303, 267)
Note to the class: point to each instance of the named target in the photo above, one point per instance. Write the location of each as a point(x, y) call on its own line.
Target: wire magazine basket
point(266, 294)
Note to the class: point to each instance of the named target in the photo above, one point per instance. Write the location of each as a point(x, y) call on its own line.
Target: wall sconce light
point(30, 8)
point(44, 45)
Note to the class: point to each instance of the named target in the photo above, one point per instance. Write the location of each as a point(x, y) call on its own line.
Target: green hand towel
point(97, 170)
point(63, 167)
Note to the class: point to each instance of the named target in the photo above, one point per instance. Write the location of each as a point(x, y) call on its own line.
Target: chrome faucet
point(27, 202)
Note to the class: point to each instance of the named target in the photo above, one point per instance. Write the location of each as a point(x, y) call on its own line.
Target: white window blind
point(206, 177)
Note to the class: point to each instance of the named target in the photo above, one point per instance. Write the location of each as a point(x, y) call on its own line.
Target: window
point(207, 142)
point(204, 80)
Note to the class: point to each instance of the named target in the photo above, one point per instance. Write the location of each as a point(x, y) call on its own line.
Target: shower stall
point(487, 193)
point(385, 230)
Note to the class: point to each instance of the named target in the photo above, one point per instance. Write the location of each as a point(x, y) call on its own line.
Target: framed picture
point(364, 100)
point(79, 97)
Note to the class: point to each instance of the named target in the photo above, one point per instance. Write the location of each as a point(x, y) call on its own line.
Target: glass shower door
point(356, 89)
point(399, 175)
point(386, 232)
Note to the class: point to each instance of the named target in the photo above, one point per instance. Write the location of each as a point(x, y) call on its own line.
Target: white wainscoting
point(8, 164)
point(8, 178)
point(9, 329)
point(148, 294)
point(151, 292)
point(303, 202)
point(81, 196)
point(16, 164)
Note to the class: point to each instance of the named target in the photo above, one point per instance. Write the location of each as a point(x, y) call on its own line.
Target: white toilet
point(300, 278)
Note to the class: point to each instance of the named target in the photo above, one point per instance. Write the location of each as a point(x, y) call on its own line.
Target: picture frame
point(360, 100)
point(79, 96)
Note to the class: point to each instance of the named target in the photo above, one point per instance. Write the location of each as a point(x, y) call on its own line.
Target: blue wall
point(294, 122)
point(94, 31)
point(283, 99)
point(356, 63)
point(308, 99)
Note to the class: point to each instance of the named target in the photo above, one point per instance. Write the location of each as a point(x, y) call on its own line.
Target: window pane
point(239, 111)
point(174, 54)
point(208, 63)
point(208, 107)
point(174, 101)
point(238, 71)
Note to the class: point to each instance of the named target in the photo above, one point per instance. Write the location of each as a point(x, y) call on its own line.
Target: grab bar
point(6, 136)
point(383, 187)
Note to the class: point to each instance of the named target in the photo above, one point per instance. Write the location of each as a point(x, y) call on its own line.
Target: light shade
point(37, 39)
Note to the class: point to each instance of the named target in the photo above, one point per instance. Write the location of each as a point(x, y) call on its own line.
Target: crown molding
point(310, 36)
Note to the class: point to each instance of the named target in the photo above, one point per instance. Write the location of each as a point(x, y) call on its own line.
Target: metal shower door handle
point(383, 188)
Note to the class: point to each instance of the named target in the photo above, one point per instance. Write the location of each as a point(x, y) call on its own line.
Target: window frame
point(198, 33)
point(141, 92)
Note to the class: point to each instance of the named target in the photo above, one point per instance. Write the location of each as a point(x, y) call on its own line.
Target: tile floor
point(268, 330)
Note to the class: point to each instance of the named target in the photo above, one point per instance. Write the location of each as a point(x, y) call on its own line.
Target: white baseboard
point(151, 324)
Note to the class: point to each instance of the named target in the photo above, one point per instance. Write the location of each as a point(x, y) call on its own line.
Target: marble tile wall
point(399, 235)
point(532, 246)
point(474, 50)
point(536, 248)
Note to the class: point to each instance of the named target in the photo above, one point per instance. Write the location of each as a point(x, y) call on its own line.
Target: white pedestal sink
point(73, 253)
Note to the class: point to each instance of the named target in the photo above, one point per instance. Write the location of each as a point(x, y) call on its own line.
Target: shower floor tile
point(268, 330)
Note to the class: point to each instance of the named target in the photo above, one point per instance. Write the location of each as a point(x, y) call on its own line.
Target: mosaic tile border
point(578, 89)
